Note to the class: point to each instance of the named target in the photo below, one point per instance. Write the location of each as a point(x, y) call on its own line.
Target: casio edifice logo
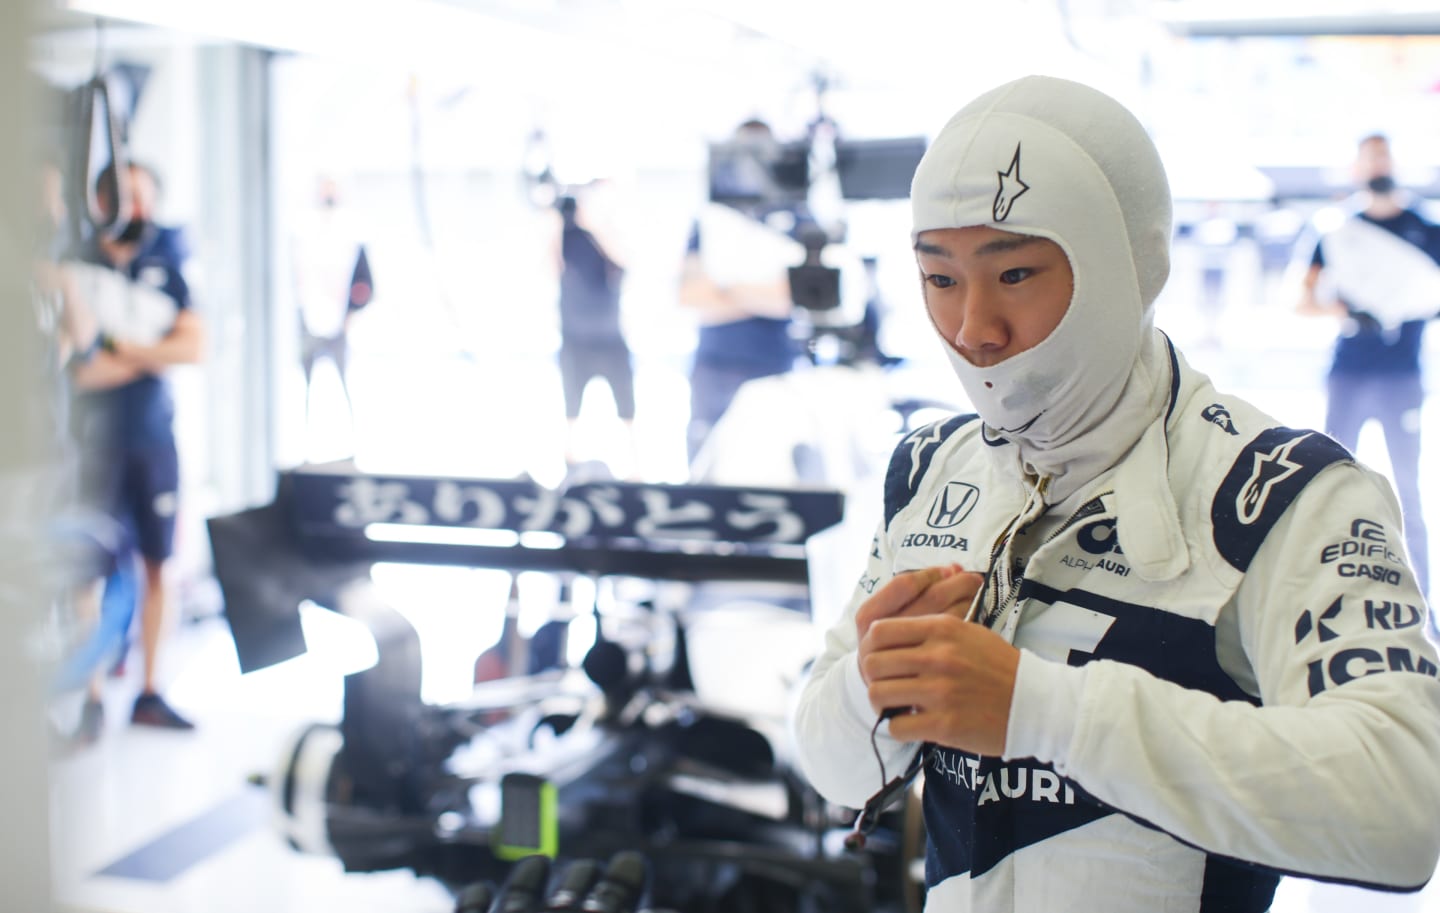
point(952, 505)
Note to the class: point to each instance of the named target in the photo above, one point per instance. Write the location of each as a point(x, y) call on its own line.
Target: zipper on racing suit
point(1001, 593)
point(998, 594)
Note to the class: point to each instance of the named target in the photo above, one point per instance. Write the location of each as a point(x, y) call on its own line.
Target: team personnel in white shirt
point(1378, 271)
point(1155, 648)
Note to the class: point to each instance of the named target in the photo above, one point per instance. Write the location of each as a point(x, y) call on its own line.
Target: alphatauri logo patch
point(1011, 188)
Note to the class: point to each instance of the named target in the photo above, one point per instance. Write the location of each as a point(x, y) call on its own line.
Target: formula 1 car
point(620, 754)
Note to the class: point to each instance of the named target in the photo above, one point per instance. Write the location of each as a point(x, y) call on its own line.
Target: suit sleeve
point(832, 721)
point(1332, 776)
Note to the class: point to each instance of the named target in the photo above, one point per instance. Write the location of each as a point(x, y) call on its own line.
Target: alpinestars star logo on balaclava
point(1011, 187)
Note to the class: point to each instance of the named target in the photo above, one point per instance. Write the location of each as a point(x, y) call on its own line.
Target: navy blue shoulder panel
point(1174, 378)
point(1267, 475)
point(1236, 887)
point(911, 459)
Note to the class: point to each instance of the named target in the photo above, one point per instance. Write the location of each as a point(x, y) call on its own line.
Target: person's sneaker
point(86, 732)
point(92, 723)
point(151, 710)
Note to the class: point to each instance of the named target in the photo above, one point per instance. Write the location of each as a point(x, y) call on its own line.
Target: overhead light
point(1229, 18)
point(409, 30)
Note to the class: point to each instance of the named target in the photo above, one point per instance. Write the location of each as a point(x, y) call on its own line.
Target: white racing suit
point(1223, 677)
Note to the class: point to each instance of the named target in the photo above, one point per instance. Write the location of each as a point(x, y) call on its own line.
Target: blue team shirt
point(1370, 350)
point(140, 413)
point(589, 290)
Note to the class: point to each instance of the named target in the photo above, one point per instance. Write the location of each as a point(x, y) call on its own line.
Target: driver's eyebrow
point(997, 246)
point(1003, 245)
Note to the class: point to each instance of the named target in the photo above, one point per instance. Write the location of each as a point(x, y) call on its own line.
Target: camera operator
point(735, 278)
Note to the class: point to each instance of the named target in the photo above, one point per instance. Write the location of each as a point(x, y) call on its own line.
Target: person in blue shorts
point(592, 338)
point(735, 278)
point(124, 412)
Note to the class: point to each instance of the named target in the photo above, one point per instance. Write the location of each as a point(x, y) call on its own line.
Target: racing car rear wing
point(328, 523)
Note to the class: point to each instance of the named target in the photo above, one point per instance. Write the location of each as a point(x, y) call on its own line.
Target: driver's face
point(993, 294)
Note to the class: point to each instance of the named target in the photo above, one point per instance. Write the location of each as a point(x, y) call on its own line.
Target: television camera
point(761, 177)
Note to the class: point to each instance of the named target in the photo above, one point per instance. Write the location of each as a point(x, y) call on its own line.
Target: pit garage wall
point(24, 792)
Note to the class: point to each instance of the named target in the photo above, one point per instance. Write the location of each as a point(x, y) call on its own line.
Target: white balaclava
point(1053, 158)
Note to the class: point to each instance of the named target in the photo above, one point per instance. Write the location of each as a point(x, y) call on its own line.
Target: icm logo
point(952, 505)
point(1270, 470)
point(1357, 662)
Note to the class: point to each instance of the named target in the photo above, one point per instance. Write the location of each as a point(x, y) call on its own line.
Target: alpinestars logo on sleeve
point(1270, 469)
point(1011, 188)
point(922, 439)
